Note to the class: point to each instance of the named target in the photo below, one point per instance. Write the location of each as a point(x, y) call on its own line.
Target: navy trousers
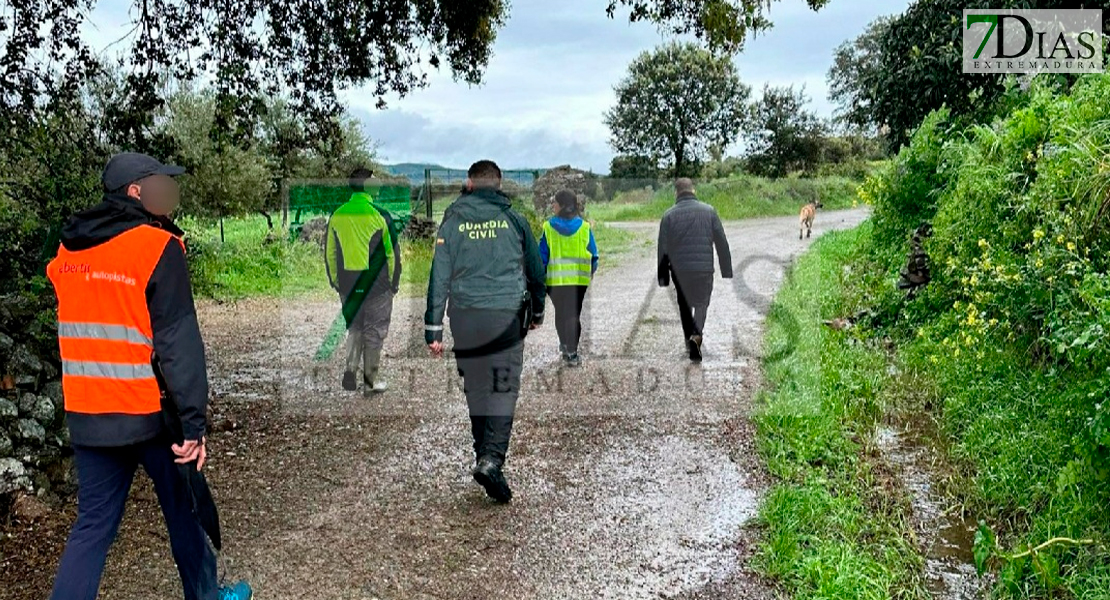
point(104, 477)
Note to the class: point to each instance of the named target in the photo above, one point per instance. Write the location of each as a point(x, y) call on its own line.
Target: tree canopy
point(722, 24)
point(676, 102)
point(903, 68)
point(854, 74)
point(784, 135)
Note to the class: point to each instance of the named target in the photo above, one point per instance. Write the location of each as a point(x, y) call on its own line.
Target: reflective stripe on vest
point(104, 330)
point(570, 259)
point(85, 368)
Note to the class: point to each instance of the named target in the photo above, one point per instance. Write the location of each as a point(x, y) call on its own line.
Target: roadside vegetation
point(833, 526)
point(1007, 350)
point(737, 197)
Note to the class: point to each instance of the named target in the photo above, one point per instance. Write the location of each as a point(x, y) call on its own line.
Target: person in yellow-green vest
point(363, 259)
point(569, 254)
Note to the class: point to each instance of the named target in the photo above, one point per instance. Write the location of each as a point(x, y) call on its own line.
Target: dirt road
point(635, 475)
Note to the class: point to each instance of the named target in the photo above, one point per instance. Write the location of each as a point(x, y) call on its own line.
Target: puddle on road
point(946, 538)
point(675, 517)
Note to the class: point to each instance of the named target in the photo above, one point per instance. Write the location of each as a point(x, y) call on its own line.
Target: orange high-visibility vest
point(104, 330)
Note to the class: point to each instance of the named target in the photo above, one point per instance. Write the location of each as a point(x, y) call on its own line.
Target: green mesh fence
point(311, 200)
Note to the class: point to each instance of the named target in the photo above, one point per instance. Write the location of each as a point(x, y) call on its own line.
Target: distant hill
point(414, 172)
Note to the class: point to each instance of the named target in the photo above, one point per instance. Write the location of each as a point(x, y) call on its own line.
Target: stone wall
point(34, 442)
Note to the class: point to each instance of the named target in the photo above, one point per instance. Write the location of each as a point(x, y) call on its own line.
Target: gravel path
point(635, 475)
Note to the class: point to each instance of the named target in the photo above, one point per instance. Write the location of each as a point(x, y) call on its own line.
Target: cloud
point(551, 79)
point(409, 137)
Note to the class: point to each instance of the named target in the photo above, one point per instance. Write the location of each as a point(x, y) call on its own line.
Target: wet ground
point(945, 536)
point(635, 475)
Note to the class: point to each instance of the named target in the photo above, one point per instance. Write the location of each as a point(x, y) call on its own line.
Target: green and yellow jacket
point(358, 243)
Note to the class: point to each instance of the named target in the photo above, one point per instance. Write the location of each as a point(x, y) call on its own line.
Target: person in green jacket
point(363, 260)
point(488, 277)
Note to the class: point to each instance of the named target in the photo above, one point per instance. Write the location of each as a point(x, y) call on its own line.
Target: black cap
point(129, 167)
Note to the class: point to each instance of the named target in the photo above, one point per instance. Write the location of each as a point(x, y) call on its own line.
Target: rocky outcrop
point(315, 231)
point(582, 183)
point(420, 228)
point(916, 274)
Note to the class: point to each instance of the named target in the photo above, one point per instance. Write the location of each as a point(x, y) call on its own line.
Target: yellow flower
point(1037, 234)
point(982, 243)
point(1071, 246)
point(1060, 239)
point(1039, 264)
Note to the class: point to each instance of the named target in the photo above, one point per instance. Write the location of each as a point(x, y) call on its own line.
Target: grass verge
point(834, 529)
point(739, 197)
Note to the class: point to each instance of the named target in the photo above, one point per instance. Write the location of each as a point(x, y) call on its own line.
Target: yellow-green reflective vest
point(569, 256)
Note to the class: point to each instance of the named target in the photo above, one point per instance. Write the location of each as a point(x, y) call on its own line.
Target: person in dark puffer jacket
point(688, 233)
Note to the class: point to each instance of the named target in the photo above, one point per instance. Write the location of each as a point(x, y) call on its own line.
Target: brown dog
point(805, 217)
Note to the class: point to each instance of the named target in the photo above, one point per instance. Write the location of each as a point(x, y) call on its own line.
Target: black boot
point(349, 382)
point(488, 474)
point(694, 346)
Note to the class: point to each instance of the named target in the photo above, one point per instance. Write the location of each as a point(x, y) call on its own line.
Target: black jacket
point(178, 347)
point(687, 235)
point(485, 259)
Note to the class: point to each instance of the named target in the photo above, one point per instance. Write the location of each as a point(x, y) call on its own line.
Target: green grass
point(1013, 433)
point(246, 264)
point(740, 197)
point(1021, 430)
point(249, 262)
point(612, 242)
point(832, 529)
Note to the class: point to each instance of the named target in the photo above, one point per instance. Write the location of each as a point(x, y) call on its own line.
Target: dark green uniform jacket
point(485, 259)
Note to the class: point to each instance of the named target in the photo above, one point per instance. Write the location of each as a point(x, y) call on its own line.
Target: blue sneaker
point(239, 591)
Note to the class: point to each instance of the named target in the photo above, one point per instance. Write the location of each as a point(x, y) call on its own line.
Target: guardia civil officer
point(488, 276)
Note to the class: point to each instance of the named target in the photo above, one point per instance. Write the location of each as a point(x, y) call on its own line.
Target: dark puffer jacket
point(687, 235)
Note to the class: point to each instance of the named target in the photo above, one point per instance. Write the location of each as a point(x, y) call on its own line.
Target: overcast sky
point(552, 74)
point(551, 79)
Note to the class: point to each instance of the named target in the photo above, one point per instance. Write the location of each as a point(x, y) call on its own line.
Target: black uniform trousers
point(489, 354)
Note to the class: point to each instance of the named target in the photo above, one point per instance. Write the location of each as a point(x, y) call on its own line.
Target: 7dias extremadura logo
point(1032, 41)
